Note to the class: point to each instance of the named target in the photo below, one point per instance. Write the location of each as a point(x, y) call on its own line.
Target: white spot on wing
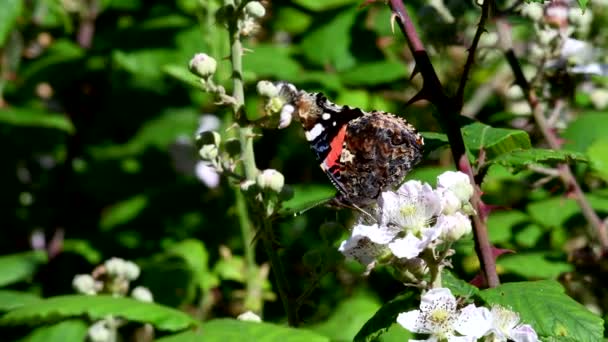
point(314, 132)
point(326, 116)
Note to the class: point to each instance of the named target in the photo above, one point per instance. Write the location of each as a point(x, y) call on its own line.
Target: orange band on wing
point(335, 148)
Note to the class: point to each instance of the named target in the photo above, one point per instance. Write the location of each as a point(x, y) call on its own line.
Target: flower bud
point(85, 284)
point(267, 88)
point(121, 268)
point(458, 183)
point(599, 98)
point(142, 294)
point(100, 332)
point(208, 152)
point(271, 179)
point(203, 65)
point(249, 316)
point(255, 9)
point(455, 226)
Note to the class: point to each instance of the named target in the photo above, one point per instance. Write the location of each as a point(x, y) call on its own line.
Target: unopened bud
point(142, 294)
point(122, 268)
point(208, 152)
point(249, 316)
point(271, 179)
point(100, 332)
point(255, 9)
point(85, 284)
point(203, 65)
point(267, 88)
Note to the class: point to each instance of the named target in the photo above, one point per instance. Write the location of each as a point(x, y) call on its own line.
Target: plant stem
point(248, 159)
point(253, 299)
point(279, 273)
point(565, 173)
point(449, 112)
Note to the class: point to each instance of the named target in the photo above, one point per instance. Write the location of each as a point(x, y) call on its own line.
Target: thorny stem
point(449, 112)
point(565, 173)
point(249, 168)
point(485, 13)
point(248, 158)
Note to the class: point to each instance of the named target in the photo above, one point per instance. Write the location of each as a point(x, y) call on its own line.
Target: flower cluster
point(112, 277)
point(440, 317)
point(411, 220)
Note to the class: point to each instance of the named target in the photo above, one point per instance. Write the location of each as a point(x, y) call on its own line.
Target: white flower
point(203, 65)
point(360, 246)
point(458, 183)
point(271, 179)
point(453, 227)
point(411, 208)
point(505, 326)
point(439, 317)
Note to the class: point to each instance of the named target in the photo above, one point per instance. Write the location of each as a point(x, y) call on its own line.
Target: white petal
point(407, 247)
point(410, 321)
point(473, 321)
point(376, 234)
point(524, 333)
point(360, 248)
point(207, 174)
point(439, 296)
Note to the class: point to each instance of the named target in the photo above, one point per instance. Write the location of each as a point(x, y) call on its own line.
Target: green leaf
point(123, 212)
point(271, 61)
point(69, 330)
point(306, 197)
point(385, 317)
point(598, 156)
point(583, 4)
point(494, 141)
point(194, 253)
point(330, 44)
point(10, 299)
point(10, 10)
point(552, 212)
point(292, 20)
point(545, 306)
point(583, 131)
point(222, 330)
point(82, 248)
point(458, 286)
point(32, 117)
point(180, 72)
point(319, 6)
point(517, 160)
point(60, 53)
point(348, 318)
point(536, 265)
point(98, 307)
point(374, 73)
point(159, 132)
point(433, 141)
point(18, 267)
point(501, 224)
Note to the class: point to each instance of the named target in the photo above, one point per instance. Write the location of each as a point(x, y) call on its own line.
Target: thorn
point(393, 19)
point(415, 72)
point(420, 96)
point(233, 126)
point(246, 50)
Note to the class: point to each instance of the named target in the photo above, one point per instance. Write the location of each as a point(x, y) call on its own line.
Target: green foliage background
point(98, 153)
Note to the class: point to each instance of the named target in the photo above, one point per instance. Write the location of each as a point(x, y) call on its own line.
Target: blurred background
point(98, 115)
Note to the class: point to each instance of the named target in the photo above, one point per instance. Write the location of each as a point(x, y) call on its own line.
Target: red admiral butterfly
point(362, 153)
